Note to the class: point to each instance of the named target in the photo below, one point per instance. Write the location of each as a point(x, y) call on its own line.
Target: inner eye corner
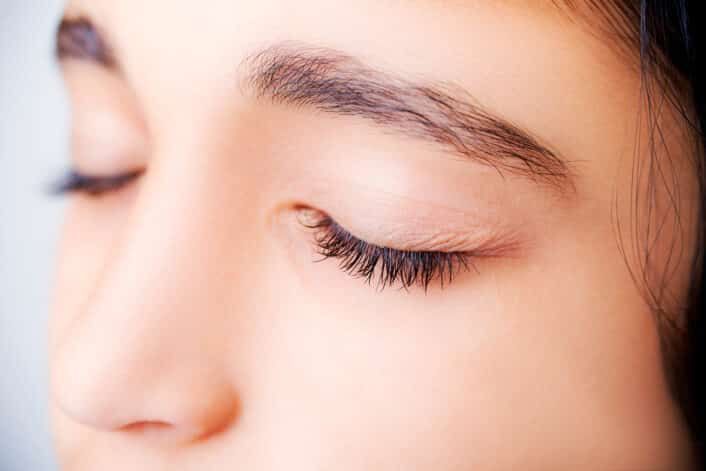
point(310, 217)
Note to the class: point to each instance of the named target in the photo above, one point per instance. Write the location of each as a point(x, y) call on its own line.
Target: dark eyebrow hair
point(79, 38)
point(297, 74)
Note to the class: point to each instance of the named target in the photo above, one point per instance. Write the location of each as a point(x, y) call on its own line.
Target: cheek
point(558, 351)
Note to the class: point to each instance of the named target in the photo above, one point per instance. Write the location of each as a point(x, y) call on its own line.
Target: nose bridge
point(163, 276)
point(149, 346)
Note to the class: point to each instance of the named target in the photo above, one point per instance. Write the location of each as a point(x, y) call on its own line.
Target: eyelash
point(383, 265)
point(356, 257)
point(76, 182)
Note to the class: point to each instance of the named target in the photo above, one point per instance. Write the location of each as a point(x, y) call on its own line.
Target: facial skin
point(193, 329)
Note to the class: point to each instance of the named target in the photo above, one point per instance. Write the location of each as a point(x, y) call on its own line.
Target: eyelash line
point(362, 259)
point(76, 182)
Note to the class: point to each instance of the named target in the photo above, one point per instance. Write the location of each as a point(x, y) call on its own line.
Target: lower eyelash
point(388, 266)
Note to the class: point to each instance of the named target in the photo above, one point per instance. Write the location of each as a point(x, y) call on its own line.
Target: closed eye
point(92, 185)
point(384, 266)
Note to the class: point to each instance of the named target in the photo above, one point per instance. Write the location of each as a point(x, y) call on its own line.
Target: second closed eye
point(74, 181)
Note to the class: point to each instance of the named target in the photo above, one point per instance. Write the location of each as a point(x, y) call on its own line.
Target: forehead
point(187, 21)
point(400, 26)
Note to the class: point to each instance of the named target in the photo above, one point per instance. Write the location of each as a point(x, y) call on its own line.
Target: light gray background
point(33, 149)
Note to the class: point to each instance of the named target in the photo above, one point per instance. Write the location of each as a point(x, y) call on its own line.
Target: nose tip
point(190, 424)
point(174, 423)
point(172, 406)
point(154, 431)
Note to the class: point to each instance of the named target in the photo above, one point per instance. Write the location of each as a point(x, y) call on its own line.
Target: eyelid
point(109, 132)
point(397, 224)
point(405, 242)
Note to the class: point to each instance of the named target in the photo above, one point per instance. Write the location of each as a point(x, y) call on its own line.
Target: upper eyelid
point(431, 243)
point(412, 224)
point(428, 244)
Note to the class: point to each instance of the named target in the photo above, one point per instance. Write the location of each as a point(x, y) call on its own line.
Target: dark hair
point(671, 36)
point(668, 35)
point(671, 29)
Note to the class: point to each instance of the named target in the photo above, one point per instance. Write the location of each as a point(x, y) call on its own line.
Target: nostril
point(157, 432)
point(146, 426)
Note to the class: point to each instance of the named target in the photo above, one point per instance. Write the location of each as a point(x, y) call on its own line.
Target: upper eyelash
point(368, 261)
point(75, 181)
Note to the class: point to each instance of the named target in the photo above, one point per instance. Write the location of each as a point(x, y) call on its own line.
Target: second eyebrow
point(334, 82)
point(78, 38)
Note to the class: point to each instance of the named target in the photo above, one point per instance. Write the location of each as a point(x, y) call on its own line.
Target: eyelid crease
point(440, 241)
point(482, 214)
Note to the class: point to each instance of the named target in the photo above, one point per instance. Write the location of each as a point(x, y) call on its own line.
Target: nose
point(147, 355)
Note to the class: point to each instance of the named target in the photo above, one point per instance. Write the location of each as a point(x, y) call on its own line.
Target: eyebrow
point(301, 75)
point(78, 38)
